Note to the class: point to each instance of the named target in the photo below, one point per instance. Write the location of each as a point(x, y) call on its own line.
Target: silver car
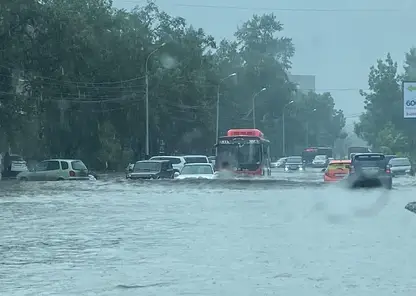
point(56, 170)
point(400, 166)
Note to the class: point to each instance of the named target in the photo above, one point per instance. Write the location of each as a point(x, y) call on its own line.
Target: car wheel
point(60, 179)
point(23, 179)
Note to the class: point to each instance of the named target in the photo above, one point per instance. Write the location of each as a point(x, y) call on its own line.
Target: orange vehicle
point(337, 170)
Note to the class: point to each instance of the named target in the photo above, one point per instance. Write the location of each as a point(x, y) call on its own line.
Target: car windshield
point(196, 159)
point(197, 170)
point(320, 157)
point(338, 166)
point(399, 162)
point(15, 157)
point(146, 166)
point(294, 159)
point(172, 160)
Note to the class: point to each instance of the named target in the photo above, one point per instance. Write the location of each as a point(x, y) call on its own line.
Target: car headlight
point(407, 171)
point(286, 168)
point(300, 168)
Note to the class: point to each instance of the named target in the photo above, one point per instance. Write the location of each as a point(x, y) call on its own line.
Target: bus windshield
point(240, 155)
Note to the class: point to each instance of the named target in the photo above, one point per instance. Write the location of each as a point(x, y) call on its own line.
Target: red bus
point(246, 151)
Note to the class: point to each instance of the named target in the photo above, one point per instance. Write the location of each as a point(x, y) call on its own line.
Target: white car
point(320, 161)
point(177, 161)
point(197, 171)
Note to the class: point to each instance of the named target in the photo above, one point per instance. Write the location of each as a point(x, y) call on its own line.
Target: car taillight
point(388, 171)
point(71, 173)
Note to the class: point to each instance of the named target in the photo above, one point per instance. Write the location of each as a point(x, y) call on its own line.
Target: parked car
point(401, 166)
point(16, 165)
point(56, 170)
point(152, 169)
point(368, 170)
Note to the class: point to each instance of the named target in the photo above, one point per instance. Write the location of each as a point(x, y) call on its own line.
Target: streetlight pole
point(284, 130)
point(307, 130)
point(218, 106)
point(254, 105)
point(147, 151)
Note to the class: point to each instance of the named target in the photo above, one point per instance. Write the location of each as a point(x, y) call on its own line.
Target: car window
point(320, 157)
point(338, 166)
point(15, 157)
point(41, 166)
point(371, 160)
point(197, 170)
point(146, 166)
point(53, 165)
point(78, 165)
point(196, 159)
point(64, 165)
point(172, 160)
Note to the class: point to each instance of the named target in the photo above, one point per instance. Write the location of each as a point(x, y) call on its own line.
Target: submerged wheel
point(23, 179)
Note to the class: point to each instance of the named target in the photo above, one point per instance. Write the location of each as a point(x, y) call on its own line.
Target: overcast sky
point(336, 46)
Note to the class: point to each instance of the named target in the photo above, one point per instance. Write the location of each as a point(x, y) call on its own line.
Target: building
point(306, 83)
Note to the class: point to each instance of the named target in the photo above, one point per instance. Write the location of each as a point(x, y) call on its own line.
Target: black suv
point(152, 169)
point(368, 170)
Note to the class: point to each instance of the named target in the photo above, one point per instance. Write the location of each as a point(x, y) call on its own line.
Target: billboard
point(409, 99)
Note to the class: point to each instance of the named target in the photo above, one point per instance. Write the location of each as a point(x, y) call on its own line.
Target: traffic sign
point(409, 99)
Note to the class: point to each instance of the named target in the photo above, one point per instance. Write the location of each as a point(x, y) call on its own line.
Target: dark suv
point(368, 170)
point(151, 169)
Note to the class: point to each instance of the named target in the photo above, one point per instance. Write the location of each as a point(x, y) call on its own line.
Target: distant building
point(306, 83)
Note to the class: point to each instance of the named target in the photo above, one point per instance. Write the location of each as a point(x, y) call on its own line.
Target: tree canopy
point(382, 124)
point(72, 83)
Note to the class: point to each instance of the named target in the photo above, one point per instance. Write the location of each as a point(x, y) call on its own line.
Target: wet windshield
point(113, 82)
point(197, 170)
point(240, 155)
point(146, 166)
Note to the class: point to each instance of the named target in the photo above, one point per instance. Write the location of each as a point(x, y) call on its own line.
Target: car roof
point(165, 156)
point(370, 153)
point(340, 161)
point(400, 158)
point(199, 164)
point(195, 155)
point(62, 159)
point(152, 161)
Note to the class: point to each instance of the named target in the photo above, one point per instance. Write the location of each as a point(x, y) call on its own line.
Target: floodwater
point(289, 236)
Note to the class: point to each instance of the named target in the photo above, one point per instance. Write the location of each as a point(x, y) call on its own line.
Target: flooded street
point(291, 236)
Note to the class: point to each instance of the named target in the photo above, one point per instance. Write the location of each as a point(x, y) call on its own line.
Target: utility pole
point(147, 151)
